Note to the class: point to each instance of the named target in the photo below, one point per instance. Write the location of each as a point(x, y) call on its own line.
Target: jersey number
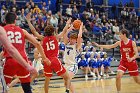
point(127, 55)
point(50, 45)
point(14, 37)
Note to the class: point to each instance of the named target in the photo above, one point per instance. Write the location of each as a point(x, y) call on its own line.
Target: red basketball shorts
point(55, 66)
point(132, 67)
point(12, 68)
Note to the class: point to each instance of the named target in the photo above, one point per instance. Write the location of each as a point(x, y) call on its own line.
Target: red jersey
point(16, 36)
point(50, 46)
point(126, 50)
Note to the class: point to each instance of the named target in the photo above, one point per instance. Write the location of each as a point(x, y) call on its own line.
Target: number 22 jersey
point(16, 36)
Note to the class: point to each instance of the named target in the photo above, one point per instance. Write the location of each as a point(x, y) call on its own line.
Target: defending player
point(17, 37)
point(13, 53)
point(129, 53)
point(51, 48)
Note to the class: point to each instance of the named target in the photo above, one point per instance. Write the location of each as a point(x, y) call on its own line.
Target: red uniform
point(12, 67)
point(51, 49)
point(127, 51)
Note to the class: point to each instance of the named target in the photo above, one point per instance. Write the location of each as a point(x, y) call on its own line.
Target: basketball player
point(17, 37)
point(51, 48)
point(129, 53)
point(13, 53)
point(72, 46)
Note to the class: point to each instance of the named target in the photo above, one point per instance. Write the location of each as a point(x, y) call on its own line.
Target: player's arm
point(1, 54)
point(64, 30)
point(33, 30)
point(108, 46)
point(11, 49)
point(37, 45)
point(79, 39)
point(135, 51)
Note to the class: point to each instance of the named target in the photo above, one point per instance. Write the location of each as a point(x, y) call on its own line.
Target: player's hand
point(28, 17)
point(81, 26)
point(69, 21)
point(130, 59)
point(32, 70)
point(47, 61)
point(71, 28)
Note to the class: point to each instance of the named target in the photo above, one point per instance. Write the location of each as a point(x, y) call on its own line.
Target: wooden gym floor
point(89, 86)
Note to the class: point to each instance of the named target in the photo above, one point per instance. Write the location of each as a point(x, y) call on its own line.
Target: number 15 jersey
point(16, 36)
point(50, 46)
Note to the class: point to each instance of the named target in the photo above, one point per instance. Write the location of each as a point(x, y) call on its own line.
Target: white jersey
point(70, 54)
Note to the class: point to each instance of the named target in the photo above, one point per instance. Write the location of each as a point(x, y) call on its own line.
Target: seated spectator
point(54, 21)
point(83, 64)
point(97, 31)
point(69, 10)
point(106, 63)
point(36, 9)
point(137, 40)
point(115, 30)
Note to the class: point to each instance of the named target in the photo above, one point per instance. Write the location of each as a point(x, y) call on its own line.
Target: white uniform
point(3, 86)
point(70, 54)
point(37, 64)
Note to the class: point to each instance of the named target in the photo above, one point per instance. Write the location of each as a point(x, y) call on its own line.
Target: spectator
point(97, 31)
point(69, 10)
point(45, 6)
point(89, 4)
point(36, 10)
point(54, 21)
point(115, 30)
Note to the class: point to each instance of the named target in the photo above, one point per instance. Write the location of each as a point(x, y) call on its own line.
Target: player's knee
point(66, 77)
point(118, 77)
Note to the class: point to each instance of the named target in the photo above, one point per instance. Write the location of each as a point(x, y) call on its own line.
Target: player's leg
point(97, 71)
point(46, 84)
point(25, 79)
point(2, 80)
point(61, 71)
point(118, 80)
point(137, 79)
point(72, 70)
point(14, 82)
point(71, 75)
point(67, 83)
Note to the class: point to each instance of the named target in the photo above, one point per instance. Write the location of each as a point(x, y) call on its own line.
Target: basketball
point(76, 24)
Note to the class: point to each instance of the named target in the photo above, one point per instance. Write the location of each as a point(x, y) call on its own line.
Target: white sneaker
point(99, 77)
point(112, 72)
point(86, 77)
point(107, 75)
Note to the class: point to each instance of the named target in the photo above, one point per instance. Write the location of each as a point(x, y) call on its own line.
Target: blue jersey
point(99, 62)
point(87, 55)
point(107, 61)
point(93, 63)
point(83, 63)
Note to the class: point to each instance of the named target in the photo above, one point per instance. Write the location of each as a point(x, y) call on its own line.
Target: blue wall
point(111, 2)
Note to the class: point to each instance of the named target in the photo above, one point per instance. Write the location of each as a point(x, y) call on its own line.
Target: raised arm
point(108, 46)
point(79, 39)
point(31, 39)
point(33, 30)
point(64, 30)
